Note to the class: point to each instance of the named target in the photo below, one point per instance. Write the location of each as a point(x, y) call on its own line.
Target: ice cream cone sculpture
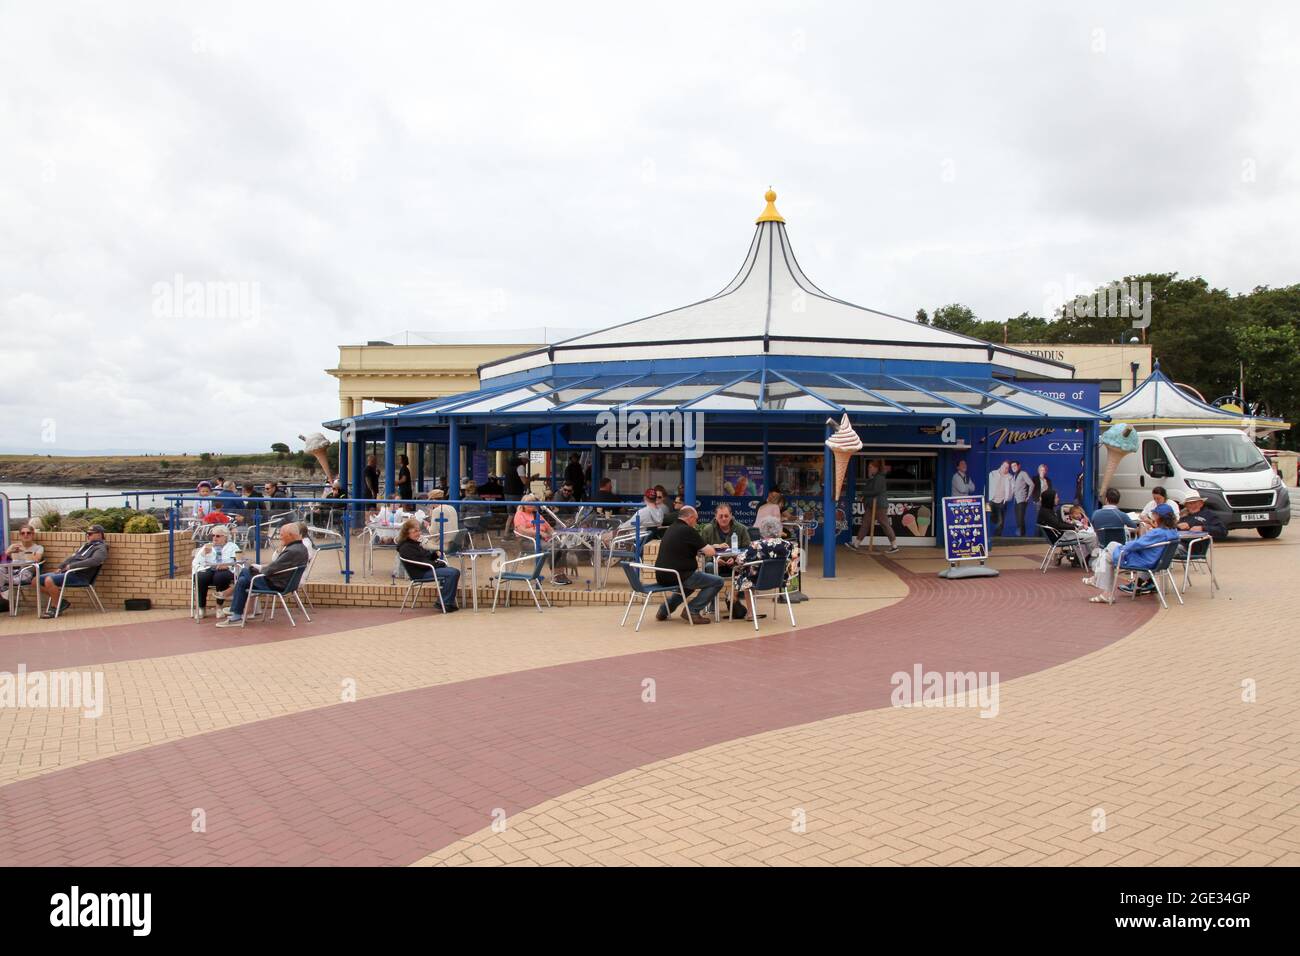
point(844, 444)
point(317, 445)
point(1118, 440)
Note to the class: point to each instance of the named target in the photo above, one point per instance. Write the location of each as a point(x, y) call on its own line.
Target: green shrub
point(164, 463)
point(49, 517)
point(142, 524)
point(205, 456)
point(112, 520)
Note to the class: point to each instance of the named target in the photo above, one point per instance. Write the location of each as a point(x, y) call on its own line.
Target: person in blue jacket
point(1137, 554)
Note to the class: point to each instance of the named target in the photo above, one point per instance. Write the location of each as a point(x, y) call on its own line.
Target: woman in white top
point(214, 567)
point(442, 516)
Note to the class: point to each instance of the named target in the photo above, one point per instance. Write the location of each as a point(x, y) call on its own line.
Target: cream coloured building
point(1119, 368)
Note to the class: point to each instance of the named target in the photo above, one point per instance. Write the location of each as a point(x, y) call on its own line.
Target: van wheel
point(1270, 533)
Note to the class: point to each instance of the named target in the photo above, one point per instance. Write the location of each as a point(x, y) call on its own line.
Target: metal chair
point(88, 584)
point(323, 539)
point(414, 584)
point(773, 578)
point(16, 586)
point(532, 578)
point(258, 589)
point(1199, 554)
point(1153, 574)
point(1057, 541)
point(648, 591)
point(1108, 536)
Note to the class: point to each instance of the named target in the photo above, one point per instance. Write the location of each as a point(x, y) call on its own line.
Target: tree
point(955, 318)
point(280, 448)
point(922, 318)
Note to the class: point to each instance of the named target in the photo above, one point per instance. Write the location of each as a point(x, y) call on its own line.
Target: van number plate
point(1255, 516)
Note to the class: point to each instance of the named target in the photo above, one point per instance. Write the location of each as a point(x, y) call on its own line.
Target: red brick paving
point(82, 647)
point(390, 779)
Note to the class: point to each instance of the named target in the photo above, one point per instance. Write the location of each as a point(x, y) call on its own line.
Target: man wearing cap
point(650, 514)
point(1197, 517)
point(73, 568)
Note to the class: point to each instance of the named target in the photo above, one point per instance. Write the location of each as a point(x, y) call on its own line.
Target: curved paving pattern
point(389, 779)
point(87, 646)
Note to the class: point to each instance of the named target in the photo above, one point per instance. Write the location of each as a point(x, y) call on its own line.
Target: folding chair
point(323, 539)
point(88, 584)
point(773, 578)
point(648, 591)
point(532, 578)
point(1109, 536)
point(1153, 574)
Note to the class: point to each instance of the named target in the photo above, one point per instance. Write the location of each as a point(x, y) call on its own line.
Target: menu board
point(965, 531)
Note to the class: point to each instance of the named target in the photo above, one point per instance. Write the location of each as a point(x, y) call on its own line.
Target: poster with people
point(1021, 465)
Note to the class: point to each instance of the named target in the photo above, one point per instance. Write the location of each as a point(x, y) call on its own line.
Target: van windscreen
point(1216, 453)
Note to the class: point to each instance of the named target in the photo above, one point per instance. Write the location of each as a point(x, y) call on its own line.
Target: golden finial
point(770, 214)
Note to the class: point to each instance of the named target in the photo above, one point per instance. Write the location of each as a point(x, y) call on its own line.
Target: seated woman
point(1049, 517)
point(1137, 554)
point(774, 508)
point(526, 524)
point(25, 549)
point(769, 545)
point(1083, 529)
point(442, 519)
point(409, 549)
point(214, 567)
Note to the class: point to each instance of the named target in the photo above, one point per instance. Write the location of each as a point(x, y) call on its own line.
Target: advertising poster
point(479, 467)
point(743, 480)
point(965, 534)
point(1021, 465)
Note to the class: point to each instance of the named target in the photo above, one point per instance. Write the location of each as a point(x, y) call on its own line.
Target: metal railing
point(263, 511)
point(127, 497)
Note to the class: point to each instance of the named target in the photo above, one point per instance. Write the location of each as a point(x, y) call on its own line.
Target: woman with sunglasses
point(25, 551)
point(214, 568)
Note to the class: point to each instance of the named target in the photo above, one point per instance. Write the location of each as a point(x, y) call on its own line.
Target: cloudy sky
point(361, 169)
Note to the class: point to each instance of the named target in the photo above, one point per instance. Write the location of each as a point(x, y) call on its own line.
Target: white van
point(1222, 464)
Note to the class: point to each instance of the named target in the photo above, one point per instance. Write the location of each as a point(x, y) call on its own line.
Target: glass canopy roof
point(757, 390)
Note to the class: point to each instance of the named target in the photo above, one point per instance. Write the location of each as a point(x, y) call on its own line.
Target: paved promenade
point(1118, 734)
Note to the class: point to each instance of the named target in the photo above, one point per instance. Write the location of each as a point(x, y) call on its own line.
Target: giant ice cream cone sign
point(844, 444)
point(1118, 440)
point(317, 445)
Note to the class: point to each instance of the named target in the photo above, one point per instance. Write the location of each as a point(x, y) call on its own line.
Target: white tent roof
point(771, 307)
point(1158, 402)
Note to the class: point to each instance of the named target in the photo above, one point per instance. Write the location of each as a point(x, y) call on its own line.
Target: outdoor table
point(591, 537)
point(383, 533)
point(728, 580)
point(16, 567)
point(474, 554)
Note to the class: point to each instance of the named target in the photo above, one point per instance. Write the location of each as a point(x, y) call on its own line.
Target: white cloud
point(412, 166)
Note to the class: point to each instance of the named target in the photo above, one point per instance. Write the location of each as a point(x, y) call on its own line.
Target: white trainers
point(198, 614)
point(221, 612)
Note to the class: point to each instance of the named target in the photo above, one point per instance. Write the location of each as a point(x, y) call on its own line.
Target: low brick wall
point(137, 568)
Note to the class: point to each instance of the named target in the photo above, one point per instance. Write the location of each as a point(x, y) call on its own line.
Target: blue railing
point(258, 511)
point(127, 497)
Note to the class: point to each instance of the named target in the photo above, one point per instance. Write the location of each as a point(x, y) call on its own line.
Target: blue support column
point(390, 460)
point(595, 472)
point(767, 464)
point(453, 460)
point(550, 465)
point(1092, 433)
point(343, 459)
point(688, 479)
point(357, 462)
point(828, 510)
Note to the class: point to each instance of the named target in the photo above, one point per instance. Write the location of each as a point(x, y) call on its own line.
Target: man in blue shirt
point(1110, 516)
point(1139, 554)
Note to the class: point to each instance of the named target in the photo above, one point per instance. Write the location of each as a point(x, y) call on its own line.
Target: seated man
point(650, 514)
point(677, 552)
point(1197, 517)
point(409, 549)
point(90, 555)
point(292, 555)
point(720, 531)
point(1110, 515)
point(606, 491)
point(1137, 554)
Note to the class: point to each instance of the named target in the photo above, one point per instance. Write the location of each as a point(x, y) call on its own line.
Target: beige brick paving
point(161, 699)
point(1151, 732)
